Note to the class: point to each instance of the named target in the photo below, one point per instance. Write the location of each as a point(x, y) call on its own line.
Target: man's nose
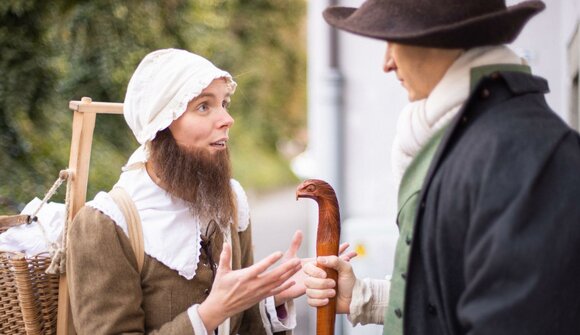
point(389, 63)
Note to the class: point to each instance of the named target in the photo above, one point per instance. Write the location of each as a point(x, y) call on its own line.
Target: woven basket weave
point(28, 296)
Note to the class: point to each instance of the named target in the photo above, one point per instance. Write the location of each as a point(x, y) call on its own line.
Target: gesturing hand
point(234, 291)
point(297, 289)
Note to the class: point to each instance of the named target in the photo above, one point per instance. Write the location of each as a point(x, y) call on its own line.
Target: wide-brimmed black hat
point(436, 23)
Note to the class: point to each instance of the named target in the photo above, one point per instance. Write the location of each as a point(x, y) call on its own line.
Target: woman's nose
point(226, 120)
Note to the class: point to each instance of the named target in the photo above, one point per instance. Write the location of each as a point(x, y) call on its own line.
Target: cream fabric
point(421, 119)
point(160, 89)
point(370, 298)
point(36, 237)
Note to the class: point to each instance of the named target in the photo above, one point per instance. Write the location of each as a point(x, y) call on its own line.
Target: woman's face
point(418, 68)
point(206, 121)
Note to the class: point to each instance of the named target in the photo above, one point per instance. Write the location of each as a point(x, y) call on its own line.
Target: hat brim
point(489, 29)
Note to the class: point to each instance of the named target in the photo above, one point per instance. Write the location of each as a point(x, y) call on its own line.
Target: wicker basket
point(28, 296)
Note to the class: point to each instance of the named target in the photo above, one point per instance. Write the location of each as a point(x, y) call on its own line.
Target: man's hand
point(234, 291)
point(298, 289)
point(319, 289)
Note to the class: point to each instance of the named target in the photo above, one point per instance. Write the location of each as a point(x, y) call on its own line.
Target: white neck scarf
point(421, 119)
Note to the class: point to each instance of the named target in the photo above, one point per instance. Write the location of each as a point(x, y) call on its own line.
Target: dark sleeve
point(104, 284)
point(522, 251)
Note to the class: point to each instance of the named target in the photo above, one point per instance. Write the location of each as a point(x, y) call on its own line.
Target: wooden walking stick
point(327, 241)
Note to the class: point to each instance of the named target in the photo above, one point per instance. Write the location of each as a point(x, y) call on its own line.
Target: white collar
point(171, 233)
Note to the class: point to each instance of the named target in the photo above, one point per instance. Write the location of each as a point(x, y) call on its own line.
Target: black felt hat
point(436, 23)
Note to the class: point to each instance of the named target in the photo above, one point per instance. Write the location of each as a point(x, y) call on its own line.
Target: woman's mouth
point(221, 144)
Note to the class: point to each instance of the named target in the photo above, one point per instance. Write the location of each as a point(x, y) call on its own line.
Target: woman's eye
point(202, 108)
point(226, 104)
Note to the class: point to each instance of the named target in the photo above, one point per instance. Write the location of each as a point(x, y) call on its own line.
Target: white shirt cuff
point(196, 322)
point(278, 325)
point(370, 298)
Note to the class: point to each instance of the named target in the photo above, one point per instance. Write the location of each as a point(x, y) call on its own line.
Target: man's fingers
point(319, 284)
point(348, 256)
point(313, 271)
point(295, 244)
point(320, 294)
point(333, 262)
point(343, 247)
point(317, 302)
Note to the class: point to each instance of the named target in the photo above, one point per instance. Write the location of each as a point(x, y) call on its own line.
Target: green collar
point(477, 73)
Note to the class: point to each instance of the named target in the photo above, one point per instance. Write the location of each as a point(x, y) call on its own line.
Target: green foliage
point(60, 50)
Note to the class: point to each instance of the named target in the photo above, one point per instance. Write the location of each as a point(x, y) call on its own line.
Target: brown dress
point(109, 296)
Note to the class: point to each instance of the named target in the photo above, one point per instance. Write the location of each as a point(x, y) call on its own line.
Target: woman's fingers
point(294, 245)
point(264, 264)
point(225, 259)
point(281, 288)
point(281, 274)
point(273, 283)
point(284, 270)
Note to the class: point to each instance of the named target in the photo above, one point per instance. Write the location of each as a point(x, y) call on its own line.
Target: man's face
point(418, 68)
point(206, 122)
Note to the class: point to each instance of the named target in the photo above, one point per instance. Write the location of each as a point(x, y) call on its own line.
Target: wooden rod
point(86, 105)
point(79, 161)
point(84, 117)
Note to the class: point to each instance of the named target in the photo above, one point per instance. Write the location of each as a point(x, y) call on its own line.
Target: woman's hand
point(297, 289)
point(319, 289)
point(234, 291)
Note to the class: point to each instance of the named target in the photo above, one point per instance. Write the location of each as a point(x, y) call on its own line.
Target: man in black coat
point(489, 198)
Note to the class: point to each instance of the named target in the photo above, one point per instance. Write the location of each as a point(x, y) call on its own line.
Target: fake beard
point(195, 175)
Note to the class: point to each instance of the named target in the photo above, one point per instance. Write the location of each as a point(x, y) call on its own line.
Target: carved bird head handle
point(315, 189)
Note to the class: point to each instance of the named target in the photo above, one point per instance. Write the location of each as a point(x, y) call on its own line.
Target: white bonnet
point(160, 89)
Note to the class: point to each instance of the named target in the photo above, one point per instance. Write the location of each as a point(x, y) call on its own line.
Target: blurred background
point(55, 51)
point(311, 103)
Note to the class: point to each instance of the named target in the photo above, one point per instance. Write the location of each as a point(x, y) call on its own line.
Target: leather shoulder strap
point(127, 206)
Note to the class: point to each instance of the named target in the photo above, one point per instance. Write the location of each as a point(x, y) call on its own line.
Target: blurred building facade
point(353, 109)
